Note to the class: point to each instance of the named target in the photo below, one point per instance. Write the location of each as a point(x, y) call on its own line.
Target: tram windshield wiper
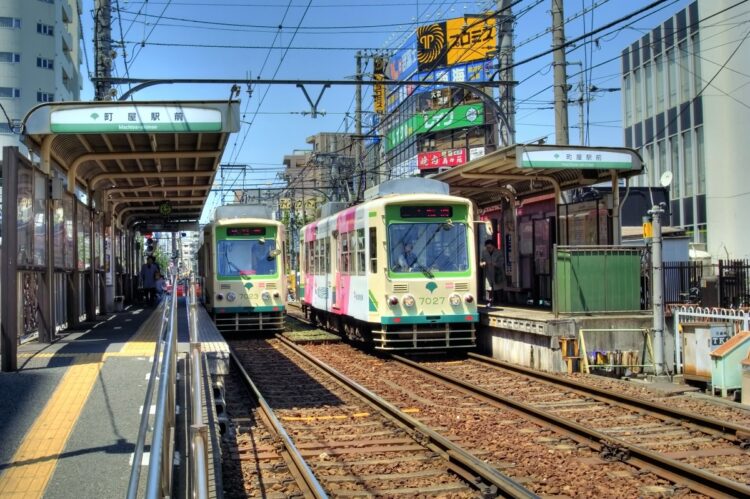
point(425, 271)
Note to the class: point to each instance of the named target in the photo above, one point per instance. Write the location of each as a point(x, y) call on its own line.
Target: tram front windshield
point(246, 257)
point(428, 247)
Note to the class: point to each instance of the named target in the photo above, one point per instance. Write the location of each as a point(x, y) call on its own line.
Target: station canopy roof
point(525, 171)
point(155, 161)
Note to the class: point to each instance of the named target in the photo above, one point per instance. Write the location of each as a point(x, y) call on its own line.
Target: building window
point(659, 84)
point(10, 22)
point(45, 29)
point(649, 153)
point(44, 97)
point(10, 92)
point(697, 80)
point(684, 72)
point(649, 91)
point(628, 103)
point(10, 57)
point(687, 162)
point(700, 161)
point(661, 151)
point(5, 128)
point(41, 62)
point(48, 1)
point(638, 104)
point(672, 76)
point(674, 165)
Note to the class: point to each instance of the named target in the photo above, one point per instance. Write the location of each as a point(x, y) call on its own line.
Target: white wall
point(726, 120)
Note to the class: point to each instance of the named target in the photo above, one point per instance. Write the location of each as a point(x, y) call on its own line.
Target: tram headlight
point(231, 296)
point(455, 299)
point(468, 298)
point(265, 295)
point(393, 300)
point(219, 297)
point(409, 301)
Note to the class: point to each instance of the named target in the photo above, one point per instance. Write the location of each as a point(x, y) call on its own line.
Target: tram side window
point(327, 255)
point(344, 238)
point(360, 248)
point(373, 250)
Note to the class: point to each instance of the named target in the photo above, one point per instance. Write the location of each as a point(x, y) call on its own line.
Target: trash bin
point(119, 303)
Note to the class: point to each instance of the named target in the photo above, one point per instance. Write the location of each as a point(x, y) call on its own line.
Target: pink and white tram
point(397, 270)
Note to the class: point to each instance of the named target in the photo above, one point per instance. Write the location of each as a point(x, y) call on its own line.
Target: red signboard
point(437, 159)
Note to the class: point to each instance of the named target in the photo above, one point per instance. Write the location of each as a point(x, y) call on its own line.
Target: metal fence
point(686, 283)
point(679, 278)
point(734, 287)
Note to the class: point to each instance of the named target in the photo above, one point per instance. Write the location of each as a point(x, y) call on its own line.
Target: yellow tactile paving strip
point(34, 462)
point(36, 458)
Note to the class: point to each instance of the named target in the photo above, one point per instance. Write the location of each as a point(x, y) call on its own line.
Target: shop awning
point(530, 170)
point(151, 160)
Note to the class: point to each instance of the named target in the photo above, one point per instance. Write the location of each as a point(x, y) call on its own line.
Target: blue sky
point(334, 28)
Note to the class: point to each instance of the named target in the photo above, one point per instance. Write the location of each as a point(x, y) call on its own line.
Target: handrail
point(198, 428)
point(135, 471)
point(159, 482)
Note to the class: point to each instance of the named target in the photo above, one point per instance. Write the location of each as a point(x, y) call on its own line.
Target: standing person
point(491, 262)
point(148, 279)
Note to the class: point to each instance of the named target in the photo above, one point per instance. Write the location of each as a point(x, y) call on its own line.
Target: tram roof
point(140, 154)
point(526, 170)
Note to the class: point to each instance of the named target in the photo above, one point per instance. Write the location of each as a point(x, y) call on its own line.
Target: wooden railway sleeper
point(613, 452)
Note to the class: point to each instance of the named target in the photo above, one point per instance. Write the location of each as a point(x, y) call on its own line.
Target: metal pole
point(358, 118)
point(9, 268)
point(560, 74)
point(505, 60)
point(657, 288)
point(677, 352)
point(103, 47)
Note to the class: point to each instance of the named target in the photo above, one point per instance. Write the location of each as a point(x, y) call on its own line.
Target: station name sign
point(575, 158)
point(135, 119)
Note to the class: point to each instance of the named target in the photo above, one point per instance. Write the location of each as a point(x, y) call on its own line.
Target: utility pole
point(358, 121)
point(505, 61)
point(103, 47)
point(560, 73)
point(657, 288)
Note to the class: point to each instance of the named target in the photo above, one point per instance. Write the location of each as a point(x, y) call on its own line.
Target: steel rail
point(506, 486)
point(135, 471)
point(311, 484)
point(729, 429)
point(694, 478)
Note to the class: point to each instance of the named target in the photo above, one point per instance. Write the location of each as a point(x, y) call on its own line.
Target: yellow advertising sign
point(455, 41)
point(472, 44)
point(378, 91)
point(285, 203)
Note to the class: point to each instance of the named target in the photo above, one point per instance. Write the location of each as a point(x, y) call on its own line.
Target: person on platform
point(148, 279)
point(161, 286)
point(407, 259)
point(491, 262)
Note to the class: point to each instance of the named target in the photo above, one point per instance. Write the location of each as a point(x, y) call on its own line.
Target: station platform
point(71, 413)
point(531, 337)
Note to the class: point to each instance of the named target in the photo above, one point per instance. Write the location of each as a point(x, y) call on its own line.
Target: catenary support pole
point(103, 48)
point(505, 62)
point(560, 74)
point(657, 290)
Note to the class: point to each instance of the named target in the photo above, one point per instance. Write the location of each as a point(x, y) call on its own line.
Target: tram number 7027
point(432, 300)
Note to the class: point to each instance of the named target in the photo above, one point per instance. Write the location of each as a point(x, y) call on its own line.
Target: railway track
point(355, 443)
point(716, 446)
point(548, 454)
point(254, 461)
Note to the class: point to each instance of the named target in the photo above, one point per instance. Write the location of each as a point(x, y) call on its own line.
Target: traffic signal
point(149, 246)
